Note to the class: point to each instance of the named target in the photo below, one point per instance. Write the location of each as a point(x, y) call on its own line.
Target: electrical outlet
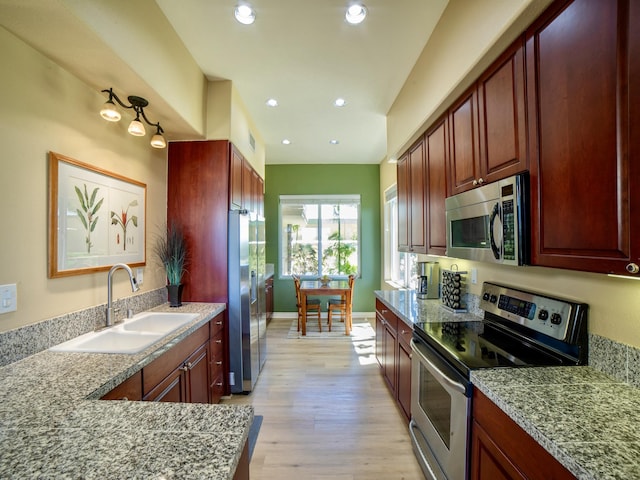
point(139, 275)
point(474, 276)
point(8, 298)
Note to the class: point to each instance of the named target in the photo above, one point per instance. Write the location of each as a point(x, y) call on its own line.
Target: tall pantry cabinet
point(205, 180)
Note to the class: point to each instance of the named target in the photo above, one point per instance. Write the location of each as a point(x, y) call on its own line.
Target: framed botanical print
point(96, 218)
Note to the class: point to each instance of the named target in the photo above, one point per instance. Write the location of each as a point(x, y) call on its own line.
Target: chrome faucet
point(134, 288)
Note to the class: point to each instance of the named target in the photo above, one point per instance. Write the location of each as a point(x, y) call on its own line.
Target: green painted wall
point(327, 180)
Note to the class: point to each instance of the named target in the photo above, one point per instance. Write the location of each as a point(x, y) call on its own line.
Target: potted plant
point(171, 249)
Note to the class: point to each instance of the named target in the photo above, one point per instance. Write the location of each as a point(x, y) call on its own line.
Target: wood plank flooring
point(327, 413)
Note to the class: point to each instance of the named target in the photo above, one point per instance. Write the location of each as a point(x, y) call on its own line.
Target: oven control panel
point(551, 316)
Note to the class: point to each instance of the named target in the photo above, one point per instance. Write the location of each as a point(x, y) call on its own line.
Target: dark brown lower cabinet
point(393, 352)
point(130, 389)
point(501, 450)
point(192, 371)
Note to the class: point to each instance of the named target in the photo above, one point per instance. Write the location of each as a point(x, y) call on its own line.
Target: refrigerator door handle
point(254, 286)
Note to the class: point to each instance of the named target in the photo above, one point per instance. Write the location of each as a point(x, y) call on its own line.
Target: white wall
point(44, 108)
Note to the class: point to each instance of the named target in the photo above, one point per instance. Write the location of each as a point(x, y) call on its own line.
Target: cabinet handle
point(475, 182)
point(633, 268)
point(480, 181)
point(218, 341)
point(219, 362)
point(184, 368)
point(383, 311)
point(219, 322)
point(219, 384)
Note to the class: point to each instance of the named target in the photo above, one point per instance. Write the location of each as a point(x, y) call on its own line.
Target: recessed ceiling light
point(356, 13)
point(245, 14)
point(286, 141)
point(340, 102)
point(334, 142)
point(272, 102)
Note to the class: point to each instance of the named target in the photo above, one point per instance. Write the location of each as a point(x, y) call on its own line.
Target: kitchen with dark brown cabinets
point(550, 87)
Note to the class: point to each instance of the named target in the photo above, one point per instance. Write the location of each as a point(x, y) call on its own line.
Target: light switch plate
point(8, 298)
point(139, 275)
point(474, 276)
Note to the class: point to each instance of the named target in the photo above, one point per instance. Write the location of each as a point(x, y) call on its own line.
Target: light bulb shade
point(158, 141)
point(356, 13)
point(136, 128)
point(110, 112)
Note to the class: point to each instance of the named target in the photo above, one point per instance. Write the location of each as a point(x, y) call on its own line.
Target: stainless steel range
point(519, 329)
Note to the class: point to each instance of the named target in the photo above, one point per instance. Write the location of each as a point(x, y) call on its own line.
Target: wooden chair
point(342, 307)
point(313, 305)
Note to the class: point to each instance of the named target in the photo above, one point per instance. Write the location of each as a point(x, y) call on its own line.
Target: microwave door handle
point(494, 214)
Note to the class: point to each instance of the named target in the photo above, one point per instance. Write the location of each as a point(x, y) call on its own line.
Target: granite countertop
point(412, 310)
point(584, 418)
point(52, 424)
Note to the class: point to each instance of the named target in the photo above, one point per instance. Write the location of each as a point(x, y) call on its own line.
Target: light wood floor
point(327, 413)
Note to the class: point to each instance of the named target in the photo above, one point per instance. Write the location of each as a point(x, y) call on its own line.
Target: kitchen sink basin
point(132, 336)
point(158, 322)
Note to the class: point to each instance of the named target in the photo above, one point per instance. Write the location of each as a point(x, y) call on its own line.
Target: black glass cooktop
point(475, 345)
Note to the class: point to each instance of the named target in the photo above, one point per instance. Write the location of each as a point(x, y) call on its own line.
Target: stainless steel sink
point(132, 336)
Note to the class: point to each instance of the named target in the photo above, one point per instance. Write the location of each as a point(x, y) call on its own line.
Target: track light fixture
point(110, 113)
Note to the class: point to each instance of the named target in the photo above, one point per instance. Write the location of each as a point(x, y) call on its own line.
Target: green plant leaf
point(97, 207)
point(93, 224)
point(81, 198)
point(81, 217)
point(134, 220)
point(93, 196)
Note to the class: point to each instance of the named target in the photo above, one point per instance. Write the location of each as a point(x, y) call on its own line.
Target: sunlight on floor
point(365, 346)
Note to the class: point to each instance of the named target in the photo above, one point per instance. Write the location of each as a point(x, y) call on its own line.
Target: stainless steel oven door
point(440, 411)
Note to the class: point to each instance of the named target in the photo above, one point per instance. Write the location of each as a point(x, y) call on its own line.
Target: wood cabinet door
point(390, 349)
point(402, 182)
point(464, 162)
point(418, 200)
point(488, 461)
point(380, 340)
point(130, 389)
point(436, 178)
point(198, 376)
point(198, 198)
point(582, 85)
point(235, 178)
point(404, 378)
point(502, 116)
point(171, 389)
point(247, 185)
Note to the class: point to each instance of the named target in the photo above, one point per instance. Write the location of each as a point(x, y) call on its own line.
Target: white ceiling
point(304, 54)
point(301, 52)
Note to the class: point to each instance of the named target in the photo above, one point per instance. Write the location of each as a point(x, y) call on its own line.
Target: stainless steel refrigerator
point(247, 313)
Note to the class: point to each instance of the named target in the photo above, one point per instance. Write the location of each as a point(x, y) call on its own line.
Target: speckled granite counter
point(584, 418)
point(404, 304)
point(53, 426)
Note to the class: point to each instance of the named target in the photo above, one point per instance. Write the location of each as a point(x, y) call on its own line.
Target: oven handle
point(436, 371)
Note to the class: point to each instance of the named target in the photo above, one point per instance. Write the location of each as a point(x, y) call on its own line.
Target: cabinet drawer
point(405, 332)
point(217, 324)
point(162, 366)
point(389, 317)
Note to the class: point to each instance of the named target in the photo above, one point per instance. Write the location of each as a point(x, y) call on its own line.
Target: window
point(399, 267)
point(320, 235)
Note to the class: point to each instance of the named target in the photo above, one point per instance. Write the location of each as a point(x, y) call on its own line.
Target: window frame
point(390, 231)
point(319, 199)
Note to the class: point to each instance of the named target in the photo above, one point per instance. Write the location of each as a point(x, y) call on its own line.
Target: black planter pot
point(175, 295)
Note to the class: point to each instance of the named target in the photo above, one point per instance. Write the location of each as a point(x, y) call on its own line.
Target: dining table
point(319, 288)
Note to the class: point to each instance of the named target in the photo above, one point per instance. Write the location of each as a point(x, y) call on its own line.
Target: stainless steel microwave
point(491, 223)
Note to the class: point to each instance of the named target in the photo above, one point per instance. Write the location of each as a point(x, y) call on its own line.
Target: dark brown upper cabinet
point(411, 170)
point(488, 125)
point(583, 91)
